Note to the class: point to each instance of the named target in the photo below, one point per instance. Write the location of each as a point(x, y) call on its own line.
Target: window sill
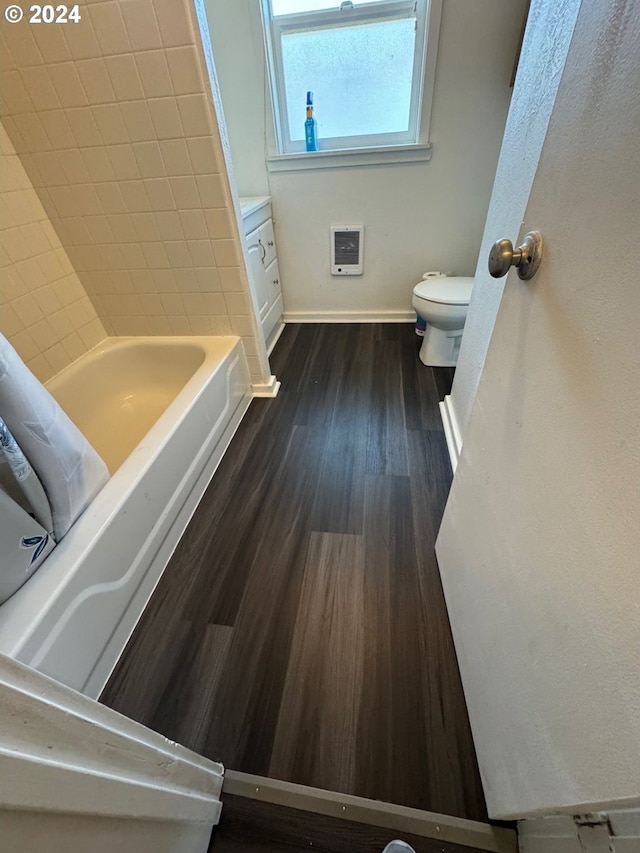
point(350, 157)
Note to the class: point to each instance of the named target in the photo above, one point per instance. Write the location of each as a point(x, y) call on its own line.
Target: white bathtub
point(161, 412)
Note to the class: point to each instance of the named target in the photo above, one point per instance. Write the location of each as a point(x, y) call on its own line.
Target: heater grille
point(346, 249)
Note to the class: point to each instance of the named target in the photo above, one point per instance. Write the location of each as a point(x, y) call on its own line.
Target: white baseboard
point(269, 388)
point(455, 830)
point(615, 831)
point(451, 430)
point(349, 317)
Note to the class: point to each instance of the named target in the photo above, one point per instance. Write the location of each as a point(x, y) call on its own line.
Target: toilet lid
point(455, 290)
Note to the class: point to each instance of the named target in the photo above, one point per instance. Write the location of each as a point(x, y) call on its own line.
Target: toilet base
point(440, 348)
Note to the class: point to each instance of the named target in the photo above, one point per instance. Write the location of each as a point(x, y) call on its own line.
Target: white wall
point(417, 216)
point(539, 543)
point(544, 49)
point(235, 30)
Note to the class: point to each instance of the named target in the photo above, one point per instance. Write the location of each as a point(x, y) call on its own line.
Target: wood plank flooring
point(300, 630)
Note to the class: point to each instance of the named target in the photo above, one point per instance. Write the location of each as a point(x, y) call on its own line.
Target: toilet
point(443, 302)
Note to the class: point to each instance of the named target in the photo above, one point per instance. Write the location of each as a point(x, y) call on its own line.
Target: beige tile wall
point(113, 120)
point(44, 309)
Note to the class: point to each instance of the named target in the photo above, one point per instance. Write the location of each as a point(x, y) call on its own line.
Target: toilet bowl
point(443, 302)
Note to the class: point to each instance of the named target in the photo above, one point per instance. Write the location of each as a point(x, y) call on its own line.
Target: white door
point(539, 547)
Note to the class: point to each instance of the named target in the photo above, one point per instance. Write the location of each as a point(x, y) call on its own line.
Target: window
point(370, 66)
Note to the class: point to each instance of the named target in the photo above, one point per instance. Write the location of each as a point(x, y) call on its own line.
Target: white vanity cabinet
point(263, 264)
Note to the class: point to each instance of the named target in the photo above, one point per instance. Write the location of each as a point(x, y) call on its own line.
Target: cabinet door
point(272, 276)
point(255, 252)
point(273, 317)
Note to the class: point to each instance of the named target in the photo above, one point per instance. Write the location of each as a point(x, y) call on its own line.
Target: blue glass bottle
point(310, 126)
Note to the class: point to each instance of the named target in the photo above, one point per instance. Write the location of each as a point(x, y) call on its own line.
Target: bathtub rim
point(124, 342)
point(42, 592)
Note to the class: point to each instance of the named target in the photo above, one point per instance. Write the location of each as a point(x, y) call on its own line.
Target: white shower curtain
point(49, 473)
point(69, 469)
point(26, 525)
point(20, 481)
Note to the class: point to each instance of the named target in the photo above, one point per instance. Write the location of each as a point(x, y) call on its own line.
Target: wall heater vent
point(347, 244)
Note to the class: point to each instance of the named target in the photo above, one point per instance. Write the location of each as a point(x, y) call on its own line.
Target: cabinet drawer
point(272, 278)
point(272, 322)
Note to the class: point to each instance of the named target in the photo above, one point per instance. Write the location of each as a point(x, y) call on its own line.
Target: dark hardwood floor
point(300, 630)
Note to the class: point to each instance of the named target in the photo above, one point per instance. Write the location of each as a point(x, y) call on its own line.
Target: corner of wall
point(46, 313)
point(113, 123)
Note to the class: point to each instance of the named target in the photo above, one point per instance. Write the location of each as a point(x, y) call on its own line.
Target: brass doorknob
point(526, 257)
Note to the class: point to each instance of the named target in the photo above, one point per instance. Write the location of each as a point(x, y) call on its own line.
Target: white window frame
point(411, 145)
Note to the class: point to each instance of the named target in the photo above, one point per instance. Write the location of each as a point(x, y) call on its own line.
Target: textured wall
point(113, 121)
point(44, 309)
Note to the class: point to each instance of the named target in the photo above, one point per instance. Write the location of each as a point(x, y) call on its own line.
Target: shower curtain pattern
point(24, 541)
point(18, 473)
point(49, 472)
